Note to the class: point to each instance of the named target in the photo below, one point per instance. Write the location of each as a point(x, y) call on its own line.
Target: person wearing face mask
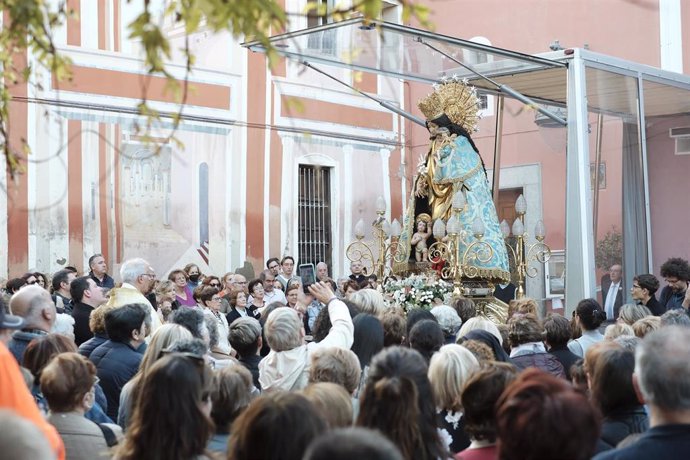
point(193, 276)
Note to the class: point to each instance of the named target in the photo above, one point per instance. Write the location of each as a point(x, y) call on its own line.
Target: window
point(477, 58)
point(314, 213)
point(318, 15)
point(682, 138)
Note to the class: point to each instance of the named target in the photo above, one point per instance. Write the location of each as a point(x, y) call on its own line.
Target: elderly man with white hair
point(287, 366)
point(138, 279)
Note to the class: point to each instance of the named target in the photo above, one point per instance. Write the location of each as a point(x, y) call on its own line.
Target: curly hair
point(676, 267)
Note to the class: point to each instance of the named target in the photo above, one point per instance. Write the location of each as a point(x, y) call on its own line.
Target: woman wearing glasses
point(182, 292)
point(210, 299)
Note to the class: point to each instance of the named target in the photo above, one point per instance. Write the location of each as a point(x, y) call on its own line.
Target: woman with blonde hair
point(164, 336)
point(369, 301)
point(332, 402)
point(644, 326)
point(165, 298)
point(449, 369)
point(480, 323)
point(630, 312)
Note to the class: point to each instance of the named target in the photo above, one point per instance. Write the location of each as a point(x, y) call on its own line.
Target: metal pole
point(381, 102)
point(497, 148)
point(597, 162)
point(501, 87)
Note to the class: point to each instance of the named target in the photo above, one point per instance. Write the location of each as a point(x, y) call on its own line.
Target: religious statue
point(420, 237)
point(453, 164)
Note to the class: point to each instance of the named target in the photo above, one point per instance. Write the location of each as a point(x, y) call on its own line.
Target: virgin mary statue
point(453, 164)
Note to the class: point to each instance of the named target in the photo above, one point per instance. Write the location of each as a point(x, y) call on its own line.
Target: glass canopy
point(627, 135)
point(407, 53)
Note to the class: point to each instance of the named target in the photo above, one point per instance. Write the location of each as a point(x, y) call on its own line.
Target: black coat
point(622, 423)
point(252, 312)
point(667, 442)
point(666, 296)
point(566, 357)
point(543, 361)
point(86, 348)
point(81, 313)
point(605, 285)
point(116, 363)
point(655, 306)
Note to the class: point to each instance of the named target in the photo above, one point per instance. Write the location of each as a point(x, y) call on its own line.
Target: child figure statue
point(420, 237)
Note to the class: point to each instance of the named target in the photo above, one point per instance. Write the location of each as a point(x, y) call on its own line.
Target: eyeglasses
point(215, 299)
point(150, 275)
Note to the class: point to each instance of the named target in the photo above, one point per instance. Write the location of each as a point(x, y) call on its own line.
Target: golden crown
point(423, 217)
point(455, 99)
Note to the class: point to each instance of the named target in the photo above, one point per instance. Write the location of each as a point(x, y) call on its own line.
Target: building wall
point(96, 185)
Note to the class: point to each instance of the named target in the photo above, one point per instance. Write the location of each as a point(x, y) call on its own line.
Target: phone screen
point(308, 275)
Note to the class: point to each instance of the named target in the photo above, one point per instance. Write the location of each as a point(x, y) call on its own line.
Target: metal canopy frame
point(556, 78)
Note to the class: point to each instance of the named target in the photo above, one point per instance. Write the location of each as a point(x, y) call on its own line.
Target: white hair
point(133, 269)
point(480, 323)
point(282, 329)
point(369, 301)
point(447, 318)
point(64, 325)
point(449, 370)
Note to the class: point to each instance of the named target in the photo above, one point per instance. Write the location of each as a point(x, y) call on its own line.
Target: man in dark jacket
point(61, 293)
point(86, 296)
point(33, 303)
point(676, 273)
point(118, 359)
point(99, 272)
point(661, 381)
point(642, 291)
point(245, 338)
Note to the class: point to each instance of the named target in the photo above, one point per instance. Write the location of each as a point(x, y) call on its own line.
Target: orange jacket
point(15, 396)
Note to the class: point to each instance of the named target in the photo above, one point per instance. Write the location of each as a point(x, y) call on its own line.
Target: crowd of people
point(198, 366)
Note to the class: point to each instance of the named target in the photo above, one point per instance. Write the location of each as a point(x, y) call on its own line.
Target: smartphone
point(308, 274)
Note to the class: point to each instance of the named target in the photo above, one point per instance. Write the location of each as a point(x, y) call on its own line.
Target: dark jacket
point(67, 304)
point(667, 442)
point(81, 313)
point(108, 281)
point(544, 361)
point(605, 285)
point(505, 294)
point(252, 312)
point(669, 299)
point(116, 363)
point(454, 424)
point(20, 340)
point(86, 348)
point(566, 357)
point(252, 365)
point(655, 306)
point(622, 423)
